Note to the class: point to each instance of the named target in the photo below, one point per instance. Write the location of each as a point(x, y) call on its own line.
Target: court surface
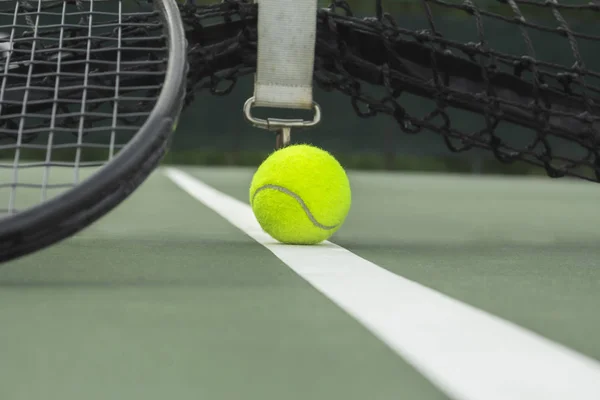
point(165, 298)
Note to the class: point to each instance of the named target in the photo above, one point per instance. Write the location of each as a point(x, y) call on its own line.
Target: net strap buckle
point(282, 127)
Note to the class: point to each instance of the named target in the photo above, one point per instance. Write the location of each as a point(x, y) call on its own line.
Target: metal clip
point(282, 127)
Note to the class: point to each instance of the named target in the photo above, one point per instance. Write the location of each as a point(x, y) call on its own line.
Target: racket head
point(109, 54)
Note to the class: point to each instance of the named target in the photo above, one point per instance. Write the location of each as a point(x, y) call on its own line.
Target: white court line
point(467, 353)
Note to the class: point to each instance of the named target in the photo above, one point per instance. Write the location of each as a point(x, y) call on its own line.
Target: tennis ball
point(300, 195)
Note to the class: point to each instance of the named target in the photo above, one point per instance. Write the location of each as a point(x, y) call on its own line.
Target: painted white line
point(468, 353)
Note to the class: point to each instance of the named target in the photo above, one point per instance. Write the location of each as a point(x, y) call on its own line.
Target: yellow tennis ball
point(300, 195)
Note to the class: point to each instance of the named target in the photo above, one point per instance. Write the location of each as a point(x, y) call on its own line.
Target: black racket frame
point(68, 213)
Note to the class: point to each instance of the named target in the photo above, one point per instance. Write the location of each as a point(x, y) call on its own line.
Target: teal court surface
point(441, 287)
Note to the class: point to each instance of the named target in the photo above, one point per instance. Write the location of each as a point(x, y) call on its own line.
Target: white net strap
point(286, 53)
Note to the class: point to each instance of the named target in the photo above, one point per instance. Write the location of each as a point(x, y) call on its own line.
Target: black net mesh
point(77, 81)
point(496, 72)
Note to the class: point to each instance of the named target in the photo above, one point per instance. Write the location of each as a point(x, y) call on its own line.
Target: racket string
point(79, 81)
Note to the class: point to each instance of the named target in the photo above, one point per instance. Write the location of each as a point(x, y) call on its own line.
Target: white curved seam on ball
point(299, 200)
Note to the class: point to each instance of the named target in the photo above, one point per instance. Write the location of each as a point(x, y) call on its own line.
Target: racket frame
point(75, 209)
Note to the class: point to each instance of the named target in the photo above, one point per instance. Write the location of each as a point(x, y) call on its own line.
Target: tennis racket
point(90, 93)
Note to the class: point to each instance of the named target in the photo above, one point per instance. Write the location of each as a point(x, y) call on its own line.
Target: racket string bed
point(384, 67)
point(90, 91)
point(61, 101)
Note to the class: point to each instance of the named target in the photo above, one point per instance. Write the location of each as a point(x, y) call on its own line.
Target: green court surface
point(163, 298)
